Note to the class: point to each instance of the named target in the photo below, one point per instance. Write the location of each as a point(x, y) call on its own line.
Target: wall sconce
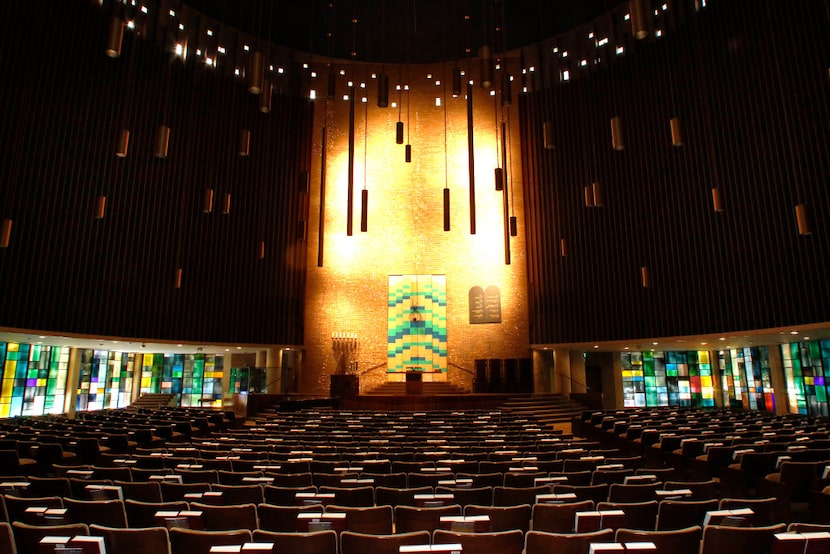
point(122, 144)
point(599, 198)
point(6, 233)
point(676, 131)
point(207, 201)
point(244, 142)
point(162, 141)
point(100, 207)
point(717, 199)
point(115, 37)
point(805, 226)
point(645, 277)
point(617, 133)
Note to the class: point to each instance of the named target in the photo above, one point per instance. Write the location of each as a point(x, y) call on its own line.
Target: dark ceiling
point(397, 31)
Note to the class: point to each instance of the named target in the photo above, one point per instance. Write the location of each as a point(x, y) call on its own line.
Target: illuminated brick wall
point(349, 293)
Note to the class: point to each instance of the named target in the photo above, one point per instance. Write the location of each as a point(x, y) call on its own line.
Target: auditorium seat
point(361, 543)
point(678, 541)
point(7, 545)
point(504, 518)
point(144, 540)
point(538, 542)
point(374, 520)
point(558, 518)
point(718, 539)
point(316, 542)
point(142, 514)
point(226, 518)
point(515, 496)
point(27, 537)
point(189, 541)
point(638, 515)
point(239, 494)
point(282, 519)
point(110, 513)
point(386, 496)
point(410, 518)
point(503, 542)
point(680, 514)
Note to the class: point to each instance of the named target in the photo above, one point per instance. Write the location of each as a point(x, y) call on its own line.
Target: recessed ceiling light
point(722, 338)
point(793, 332)
point(596, 346)
point(655, 343)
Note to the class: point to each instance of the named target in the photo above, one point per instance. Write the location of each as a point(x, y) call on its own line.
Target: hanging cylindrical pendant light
point(638, 12)
point(589, 196)
point(599, 198)
point(261, 250)
point(178, 277)
point(244, 142)
point(506, 91)
point(207, 201)
point(115, 37)
point(486, 56)
point(446, 209)
point(805, 226)
point(123, 143)
point(514, 226)
point(266, 96)
point(100, 207)
point(226, 204)
point(499, 176)
point(547, 135)
point(456, 82)
point(676, 131)
point(162, 141)
point(717, 199)
point(399, 132)
point(617, 133)
point(256, 73)
point(5, 233)
point(331, 85)
point(408, 153)
point(364, 210)
point(645, 276)
point(383, 90)
point(563, 247)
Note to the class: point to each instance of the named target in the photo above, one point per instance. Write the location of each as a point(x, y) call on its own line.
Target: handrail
point(456, 366)
point(572, 380)
point(374, 367)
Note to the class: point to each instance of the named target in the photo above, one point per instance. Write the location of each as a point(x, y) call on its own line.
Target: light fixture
point(638, 9)
point(265, 97)
point(6, 233)
point(645, 277)
point(676, 131)
point(383, 90)
point(408, 153)
point(506, 92)
point(617, 133)
point(226, 204)
point(162, 141)
point(123, 143)
point(399, 132)
point(514, 226)
point(364, 194)
point(178, 277)
point(499, 178)
point(244, 142)
point(547, 135)
point(599, 198)
point(207, 201)
point(486, 57)
point(257, 73)
point(717, 199)
point(115, 37)
point(350, 171)
point(805, 226)
point(563, 247)
point(456, 82)
point(261, 251)
point(446, 209)
point(364, 210)
point(588, 190)
point(100, 207)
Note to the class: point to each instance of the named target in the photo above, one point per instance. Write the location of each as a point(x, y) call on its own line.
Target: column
point(542, 370)
point(577, 371)
point(138, 363)
point(779, 381)
point(73, 372)
point(562, 371)
point(273, 373)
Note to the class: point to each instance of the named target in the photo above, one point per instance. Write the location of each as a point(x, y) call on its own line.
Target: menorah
point(344, 346)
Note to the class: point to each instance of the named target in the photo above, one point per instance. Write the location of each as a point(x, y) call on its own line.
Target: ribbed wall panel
point(749, 80)
point(64, 103)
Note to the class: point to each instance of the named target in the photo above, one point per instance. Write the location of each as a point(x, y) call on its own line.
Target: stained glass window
point(806, 368)
point(33, 379)
point(667, 378)
point(745, 378)
point(152, 367)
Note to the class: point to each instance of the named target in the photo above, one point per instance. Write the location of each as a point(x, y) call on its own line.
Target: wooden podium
point(344, 386)
point(414, 383)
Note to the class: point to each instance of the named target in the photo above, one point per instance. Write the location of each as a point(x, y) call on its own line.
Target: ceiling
point(401, 31)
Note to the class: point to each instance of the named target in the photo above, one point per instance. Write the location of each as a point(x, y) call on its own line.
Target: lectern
point(414, 382)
